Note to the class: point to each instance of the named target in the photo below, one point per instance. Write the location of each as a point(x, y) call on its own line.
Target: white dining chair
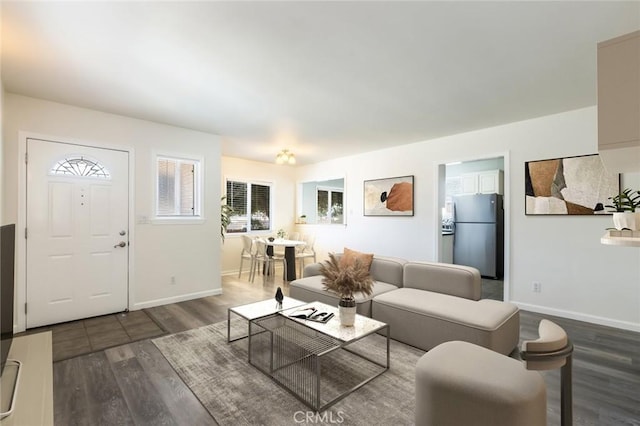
point(264, 261)
point(306, 252)
point(248, 252)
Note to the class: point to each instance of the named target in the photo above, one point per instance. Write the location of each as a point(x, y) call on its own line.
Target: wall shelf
point(621, 238)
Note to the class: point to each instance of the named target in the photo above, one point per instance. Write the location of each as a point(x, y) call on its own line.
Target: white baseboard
point(175, 299)
point(608, 322)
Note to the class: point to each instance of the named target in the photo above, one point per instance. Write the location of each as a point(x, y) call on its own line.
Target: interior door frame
point(439, 171)
point(21, 244)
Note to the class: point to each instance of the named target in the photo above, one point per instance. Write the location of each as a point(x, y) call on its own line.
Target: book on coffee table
point(311, 314)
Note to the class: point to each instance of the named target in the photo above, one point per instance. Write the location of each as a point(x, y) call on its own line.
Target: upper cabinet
point(487, 182)
point(619, 103)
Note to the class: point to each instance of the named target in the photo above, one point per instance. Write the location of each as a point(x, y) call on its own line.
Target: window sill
point(177, 221)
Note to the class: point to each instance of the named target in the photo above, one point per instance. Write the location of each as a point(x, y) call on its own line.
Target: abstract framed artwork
point(389, 197)
point(568, 186)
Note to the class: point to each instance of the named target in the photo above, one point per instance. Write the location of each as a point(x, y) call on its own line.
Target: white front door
point(77, 231)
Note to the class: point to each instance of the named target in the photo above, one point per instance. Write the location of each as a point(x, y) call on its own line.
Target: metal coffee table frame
point(296, 349)
point(251, 311)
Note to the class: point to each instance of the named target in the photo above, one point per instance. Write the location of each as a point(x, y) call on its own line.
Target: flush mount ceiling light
point(285, 157)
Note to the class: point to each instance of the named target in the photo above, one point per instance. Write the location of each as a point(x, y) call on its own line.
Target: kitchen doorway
point(467, 179)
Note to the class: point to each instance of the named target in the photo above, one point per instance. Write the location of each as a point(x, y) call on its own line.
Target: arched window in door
point(80, 165)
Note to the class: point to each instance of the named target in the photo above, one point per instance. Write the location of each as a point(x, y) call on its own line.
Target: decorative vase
point(347, 311)
point(628, 220)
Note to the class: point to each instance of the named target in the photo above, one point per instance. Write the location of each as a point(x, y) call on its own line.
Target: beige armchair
point(551, 350)
point(459, 383)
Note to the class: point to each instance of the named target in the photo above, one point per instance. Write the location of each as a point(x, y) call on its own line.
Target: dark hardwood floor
point(133, 384)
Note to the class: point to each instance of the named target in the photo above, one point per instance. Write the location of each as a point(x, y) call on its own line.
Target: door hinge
point(25, 233)
point(26, 157)
point(25, 309)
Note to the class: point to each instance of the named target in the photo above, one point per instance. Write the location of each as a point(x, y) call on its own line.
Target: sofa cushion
point(425, 319)
point(311, 289)
point(388, 270)
point(483, 314)
point(454, 280)
point(349, 258)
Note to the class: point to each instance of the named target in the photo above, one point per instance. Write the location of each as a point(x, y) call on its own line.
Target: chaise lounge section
point(440, 302)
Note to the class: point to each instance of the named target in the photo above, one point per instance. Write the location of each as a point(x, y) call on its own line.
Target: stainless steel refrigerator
point(479, 233)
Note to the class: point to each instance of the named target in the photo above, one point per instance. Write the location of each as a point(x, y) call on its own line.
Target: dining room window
point(251, 204)
point(330, 205)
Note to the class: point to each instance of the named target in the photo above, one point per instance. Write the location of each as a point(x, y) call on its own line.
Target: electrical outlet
point(143, 220)
point(537, 287)
point(173, 280)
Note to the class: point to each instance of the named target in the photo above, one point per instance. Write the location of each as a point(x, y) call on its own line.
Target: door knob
point(123, 232)
point(121, 244)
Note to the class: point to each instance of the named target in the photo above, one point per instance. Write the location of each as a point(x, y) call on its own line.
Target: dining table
point(289, 254)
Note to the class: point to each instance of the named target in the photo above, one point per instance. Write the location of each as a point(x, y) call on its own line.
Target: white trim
point(593, 319)
point(177, 220)
point(21, 246)
point(439, 183)
point(176, 299)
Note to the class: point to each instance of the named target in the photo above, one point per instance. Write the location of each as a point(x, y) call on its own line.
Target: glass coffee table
point(319, 363)
point(256, 310)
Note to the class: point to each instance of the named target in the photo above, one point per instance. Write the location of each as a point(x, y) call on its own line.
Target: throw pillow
point(349, 258)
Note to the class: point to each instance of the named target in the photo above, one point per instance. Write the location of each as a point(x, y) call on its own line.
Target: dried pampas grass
point(346, 280)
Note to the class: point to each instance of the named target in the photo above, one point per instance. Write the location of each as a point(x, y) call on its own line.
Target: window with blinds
point(177, 187)
point(251, 204)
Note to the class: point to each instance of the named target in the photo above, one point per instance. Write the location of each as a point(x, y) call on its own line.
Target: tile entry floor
point(81, 337)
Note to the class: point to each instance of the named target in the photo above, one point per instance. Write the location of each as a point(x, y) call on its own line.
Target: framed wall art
point(569, 186)
point(389, 197)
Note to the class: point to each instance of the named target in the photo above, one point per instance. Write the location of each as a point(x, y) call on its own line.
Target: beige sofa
point(426, 304)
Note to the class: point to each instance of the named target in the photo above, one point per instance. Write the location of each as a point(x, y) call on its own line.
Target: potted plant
point(346, 281)
point(624, 207)
point(281, 233)
point(225, 216)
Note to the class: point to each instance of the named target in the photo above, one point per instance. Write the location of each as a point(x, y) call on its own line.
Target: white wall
point(189, 252)
point(580, 277)
point(3, 178)
point(284, 192)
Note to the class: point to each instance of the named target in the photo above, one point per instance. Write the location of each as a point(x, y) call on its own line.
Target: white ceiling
point(324, 79)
